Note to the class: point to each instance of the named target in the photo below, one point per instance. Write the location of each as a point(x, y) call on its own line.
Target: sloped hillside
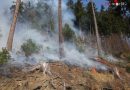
point(60, 76)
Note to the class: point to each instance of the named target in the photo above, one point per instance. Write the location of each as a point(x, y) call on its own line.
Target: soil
point(60, 76)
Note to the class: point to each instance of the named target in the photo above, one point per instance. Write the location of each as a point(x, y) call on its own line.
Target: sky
point(99, 3)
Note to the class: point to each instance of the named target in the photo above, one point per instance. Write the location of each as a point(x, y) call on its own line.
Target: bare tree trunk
point(13, 25)
point(96, 30)
point(61, 39)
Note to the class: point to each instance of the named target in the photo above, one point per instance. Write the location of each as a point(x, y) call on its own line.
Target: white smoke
point(49, 44)
point(4, 24)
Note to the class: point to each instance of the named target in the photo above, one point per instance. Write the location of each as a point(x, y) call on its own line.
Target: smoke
point(50, 44)
point(4, 24)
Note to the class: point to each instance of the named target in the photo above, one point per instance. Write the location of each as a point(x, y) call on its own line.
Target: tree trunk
point(61, 39)
point(13, 25)
point(96, 30)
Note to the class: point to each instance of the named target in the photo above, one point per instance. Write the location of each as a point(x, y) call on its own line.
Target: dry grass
point(63, 76)
point(101, 77)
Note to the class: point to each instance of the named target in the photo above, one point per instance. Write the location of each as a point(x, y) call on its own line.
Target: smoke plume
point(49, 43)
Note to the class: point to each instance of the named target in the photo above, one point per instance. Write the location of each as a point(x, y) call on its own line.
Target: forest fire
point(64, 45)
point(93, 70)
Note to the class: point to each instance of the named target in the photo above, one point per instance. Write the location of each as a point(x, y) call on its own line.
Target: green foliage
point(109, 24)
point(78, 11)
point(121, 64)
point(109, 20)
point(4, 56)
point(30, 47)
point(128, 69)
point(121, 9)
point(87, 22)
point(80, 48)
point(21, 10)
point(68, 33)
point(128, 58)
point(89, 10)
point(80, 44)
point(38, 16)
point(70, 4)
point(102, 8)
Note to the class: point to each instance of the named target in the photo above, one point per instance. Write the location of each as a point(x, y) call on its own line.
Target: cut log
point(108, 64)
point(44, 67)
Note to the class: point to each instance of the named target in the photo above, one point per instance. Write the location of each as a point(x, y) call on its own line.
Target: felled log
point(110, 65)
point(41, 66)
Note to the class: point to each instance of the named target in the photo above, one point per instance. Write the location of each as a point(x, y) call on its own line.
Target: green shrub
point(68, 33)
point(79, 44)
point(4, 56)
point(128, 69)
point(128, 58)
point(80, 48)
point(121, 64)
point(30, 47)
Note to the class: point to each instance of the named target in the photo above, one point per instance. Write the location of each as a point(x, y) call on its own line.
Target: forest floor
point(60, 76)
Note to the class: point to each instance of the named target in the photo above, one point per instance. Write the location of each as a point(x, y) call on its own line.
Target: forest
point(65, 45)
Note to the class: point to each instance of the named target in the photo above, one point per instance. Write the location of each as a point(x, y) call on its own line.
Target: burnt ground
point(60, 76)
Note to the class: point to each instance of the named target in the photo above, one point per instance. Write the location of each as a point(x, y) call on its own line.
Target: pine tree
point(96, 30)
point(70, 4)
point(102, 8)
point(79, 11)
point(13, 25)
point(61, 39)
